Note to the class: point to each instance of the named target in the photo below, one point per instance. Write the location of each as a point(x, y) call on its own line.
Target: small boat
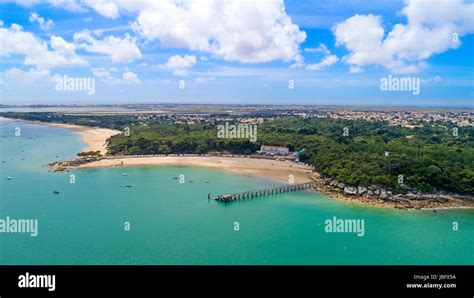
point(128, 186)
point(124, 174)
point(175, 177)
point(9, 178)
point(56, 192)
point(191, 181)
point(206, 182)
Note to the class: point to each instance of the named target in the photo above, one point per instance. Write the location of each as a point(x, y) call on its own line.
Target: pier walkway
point(231, 197)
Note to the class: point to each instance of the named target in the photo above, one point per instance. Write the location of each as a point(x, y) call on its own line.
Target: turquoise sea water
point(173, 223)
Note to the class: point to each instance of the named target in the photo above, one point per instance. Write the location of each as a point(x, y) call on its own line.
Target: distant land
point(194, 107)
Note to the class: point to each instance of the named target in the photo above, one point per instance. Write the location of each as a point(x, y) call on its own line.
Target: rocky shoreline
point(64, 166)
point(380, 197)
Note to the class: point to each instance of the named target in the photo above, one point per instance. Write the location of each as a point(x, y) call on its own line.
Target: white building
point(274, 150)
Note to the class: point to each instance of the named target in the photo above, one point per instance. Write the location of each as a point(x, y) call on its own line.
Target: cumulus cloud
point(131, 77)
point(106, 8)
point(327, 61)
point(322, 48)
point(103, 74)
point(431, 29)
point(70, 5)
point(32, 74)
point(180, 64)
point(45, 25)
point(355, 69)
point(16, 41)
point(235, 30)
point(106, 75)
point(36, 51)
point(27, 3)
point(122, 50)
point(244, 31)
point(434, 79)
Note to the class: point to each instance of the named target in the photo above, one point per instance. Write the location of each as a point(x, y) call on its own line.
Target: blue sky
point(332, 52)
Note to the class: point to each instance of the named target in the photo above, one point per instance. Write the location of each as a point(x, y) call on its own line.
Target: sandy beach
point(273, 169)
point(95, 138)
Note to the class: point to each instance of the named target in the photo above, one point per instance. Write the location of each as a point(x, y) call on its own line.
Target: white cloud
point(327, 61)
point(299, 62)
point(434, 79)
point(355, 69)
point(322, 48)
point(103, 74)
point(18, 42)
point(235, 30)
point(131, 77)
point(63, 55)
point(120, 50)
point(32, 74)
point(70, 5)
point(406, 47)
point(63, 47)
point(44, 25)
point(27, 3)
point(177, 61)
point(245, 31)
point(106, 8)
point(179, 64)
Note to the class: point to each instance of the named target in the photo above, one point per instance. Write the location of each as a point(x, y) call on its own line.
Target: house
point(296, 154)
point(274, 150)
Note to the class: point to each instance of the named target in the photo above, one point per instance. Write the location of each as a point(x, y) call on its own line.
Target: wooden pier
point(232, 197)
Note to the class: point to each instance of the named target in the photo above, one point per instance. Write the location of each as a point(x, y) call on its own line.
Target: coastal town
point(145, 114)
point(257, 114)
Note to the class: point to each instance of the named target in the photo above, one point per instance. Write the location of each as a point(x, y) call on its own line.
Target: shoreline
point(94, 138)
point(428, 204)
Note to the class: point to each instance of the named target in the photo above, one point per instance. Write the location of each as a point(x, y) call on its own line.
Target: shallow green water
point(173, 223)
